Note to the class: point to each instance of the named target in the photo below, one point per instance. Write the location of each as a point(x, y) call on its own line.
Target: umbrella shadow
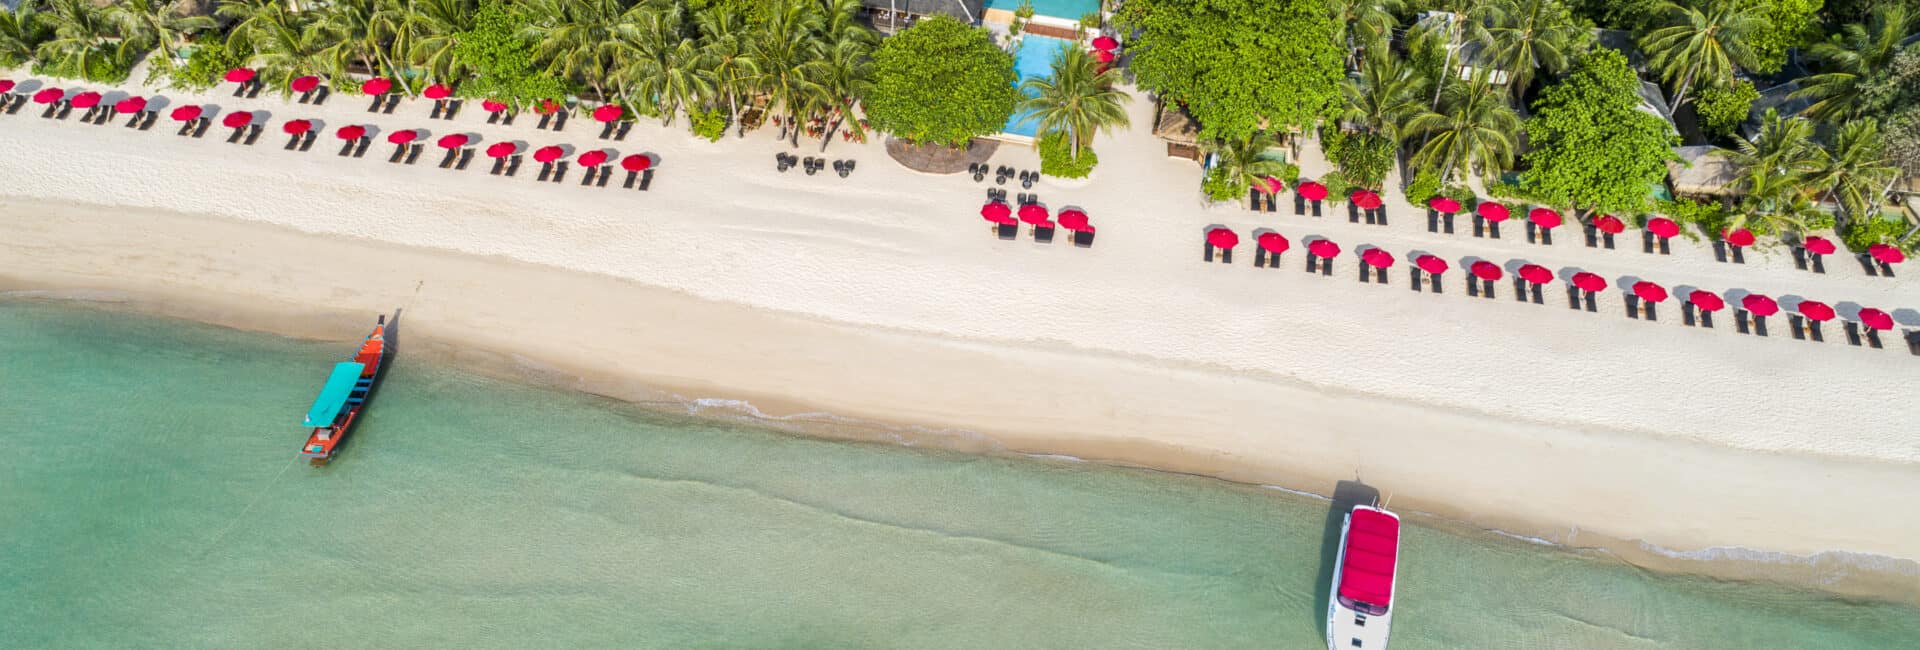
point(159, 103)
point(29, 86)
point(1346, 495)
point(1848, 309)
point(1907, 316)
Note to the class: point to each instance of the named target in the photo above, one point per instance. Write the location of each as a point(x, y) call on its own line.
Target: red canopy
point(1311, 191)
point(1875, 319)
point(607, 113)
point(1492, 211)
point(1886, 253)
point(997, 212)
point(351, 132)
point(1444, 205)
point(1485, 270)
point(305, 84)
point(297, 127)
point(1431, 264)
point(1104, 42)
point(402, 136)
point(1663, 227)
point(48, 96)
point(1649, 291)
point(1273, 242)
point(6, 85)
point(131, 105)
point(87, 99)
point(237, 119)
point(1816, 311)
point(1738, 237)
point(1324, 248)
point(186, 113)
point(453, 141)
point(1103, 56)
point(376, 86)
point(491, 106)
point(1536, 274)
point(1074, 220)
point(1367, 200)
point(1584, 280)
point(593, 158)
point(636, 163)
point(548, 154)
point(501, 149)
point(1760, 305)
point(1706, 300)
point(1223, 238)
point(1609, 224)
point(1377, 258)
point(1819, 245)
point(1373, 548)
point(438, 91)
point(239, 75)
point(1544, 218)
point(1034, 213)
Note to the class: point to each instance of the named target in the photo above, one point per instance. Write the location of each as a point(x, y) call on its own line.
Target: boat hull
point(325, 442)
point(1349, 628)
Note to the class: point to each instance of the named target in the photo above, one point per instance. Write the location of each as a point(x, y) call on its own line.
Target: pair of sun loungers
point(408, 153)
point(1524, 290)
point(317, 96)
point(196, 127)
point(502, 118)
point(1418, 279)
point(1439, 223)
point(383, 104)
point(245, 134)
point(356, 147)
point(301, 141)
point(1538, 235)
point(249, 90)
point(1374, 217)
point(506, 166)
point(1576, 297)
point(1722, 252)
point(556, 121)
point(615, 131)
point(553, 171)
point(1597, 238)
point(1484, 228)
point(457, 158)
point(445, 109)
point(1300, 205)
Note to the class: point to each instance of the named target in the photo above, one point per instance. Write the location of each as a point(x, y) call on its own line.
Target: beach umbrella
point(1367, 200)
point(87, 99)
point(1609, 224)
point(186, 113)
point(996, 212)
point(453, 141)
point(1223, 238)
point(1536, 274)
point(501, 149)
point(1104, 42)
point(351, 132)
point(376, 86)
point(237, 119)
point(1760, 305)
point(1886, 253)
point(48, 96)
point(607, 113)
point(1273, 185)
point(1649, 291)
point(1544, 218)
point(491, 106)
point(1706, 300)
point(1485, 270)
point(131, 105)
point(1103, 56)
point(296, 127)
point(1816, 311)
point(1875, 319)
point(1323, 248)
point(1663, 227)
point(305, 84)
point(1431, 264)
point(6, 85)
point(1034, 213)
point(1738, 237)
point(1494, 211)
point(437, 91)
point(1585, 281)
point(546, 106)
point(1377, 258)
point(1819, 245)
point(593, 158)
point(1273, 242)
point(402, 136)
point(1074, 220)
point(640, 163)
point(1443, 205)
point(548, 154)
point(1311, 191)
point(239, 75)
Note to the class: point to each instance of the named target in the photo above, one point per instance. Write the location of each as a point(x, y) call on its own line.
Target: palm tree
point(433, 26)
point(1365, 26)
point(1078, 99)
point(1471, 130)
point(1851, 58)
point(156, 21)
point(583, 38)
point(786, 49)
point(283, 52)
point(1777, 165)
point(1525, 36)
point(257, 20)
point(81, 36)
point(21, 32)
point(1855, 171)
point(841, 74)
point(1382, 98)
point(1247, 161)
point(730, 66)
point(663, 66)
point(1701, 46)
point(358, 31)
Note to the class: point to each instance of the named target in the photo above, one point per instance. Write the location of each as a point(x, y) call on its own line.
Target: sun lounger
point(1741, 320)
point(16, 106)
point(91, 113)
point(205, 123)
point(1270, 197)
point(1573, 297)
point(1686, 314)
point(1633, 305)
point(606, 131)
point(1379, 275)
point(439, 106)
point(307, 142)
point(646, 180)
point(1365, 274)
point(399, 151)
point(446, 162)
point(545, 119)
point(253, 89)
point(1433, 220)
point(494, 118)
point(1439, 283)
point(1413, 278)
point(1799, 327)
point(1313, 263)
point(1813, 331)
point(414, 154)
point(499, 165)
point(346, 149)
point(513, 166)
point(375, 106)
point(1519, 289)
point(187, 127)
point(1045, 236)
point(1760, 325)
point(253, 135)
point(605, 173)
point(1299, 205)
point(546, 172)
point(240, 90)
point(560, 121)
point(306, 97)
point(1540, 301)
point(1084, 239)
point(559, 171)
point(453, 107)
point(1800, 257)
point(1590, 305)
point(1873, 339)
point(1913, 341)
point(1008, 231)
point(134, 123)
point(1353, 213)
point(466, 158)
point(592, 173)
point(1253, 199)
point(66, 108)
point(1852, 330)
point(238, 132)
point(365, 143)
point(51, 109)
point(1326, 268)
point(621, 135)
point(1738, 256)
point(320, 95)
point(392, 101)
point(1479, 226)
point(292, 141)
point(1866, 264)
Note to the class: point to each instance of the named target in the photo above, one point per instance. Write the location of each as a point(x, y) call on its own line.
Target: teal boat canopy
point(333, 396)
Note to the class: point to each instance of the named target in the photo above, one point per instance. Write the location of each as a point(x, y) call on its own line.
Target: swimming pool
point(1033, 59)
point(1068, 9)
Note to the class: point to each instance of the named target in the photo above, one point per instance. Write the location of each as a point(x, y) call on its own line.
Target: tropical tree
point(662, 65)
point(1701, 45)
point(1525, 36)
point(1078, 99)
point(1592, 148)
point(1778, 166)
point(785, 51)
point(159, 22)
point(1239, 66)
point(1855, 171)
point(1850, 60)
point(498, 64)
point(730, 65)
point(282, 52)
point(582, 39)
point(254, 21)
point(82, 38)
point(1472, 129)
point(842, 77)
point(1365, 26)
point(433, 28)
point(21, 32)
point(357, 31)
point(1433, 42)
point(1241, 162)
point(941, 81)
point(1382, 97)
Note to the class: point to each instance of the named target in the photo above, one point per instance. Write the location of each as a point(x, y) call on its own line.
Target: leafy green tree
point(1789, 24)
point(1364, 158)
point(1852, 60)
point(1630, 15)
point(1592, 146)
point(256, 21)
point(1241, 162)
point(1701, 45)
point(1473, 129)
point(941, 81)
point(1722, 108)
point(209, 61)
point(662, 64)
point(21, 31)
point(842, 76)
point(1382, 97)
point(500, 62)
point(1059, 161)
point(1855, 171)
point(1526, 36)
point(1237, 65)
point(1902, 138)
point(158, 23)
point(1078, 99)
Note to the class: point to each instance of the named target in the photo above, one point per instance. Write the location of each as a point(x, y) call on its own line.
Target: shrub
point(1056, 157)
point(1723, 108)
point(1424, 187)
point(108, 68)
point(1859, 234)
point(1338, 187)
point(204, 67)
point(1223, 186)
point(710, 123)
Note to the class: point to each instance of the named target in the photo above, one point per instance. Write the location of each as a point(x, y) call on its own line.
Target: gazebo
point(1703, 171)
point(1172, 124)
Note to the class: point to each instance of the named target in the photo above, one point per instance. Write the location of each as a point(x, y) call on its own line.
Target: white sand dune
point(884, 297)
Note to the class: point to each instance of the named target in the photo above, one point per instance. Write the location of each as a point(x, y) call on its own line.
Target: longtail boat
point(343, 397)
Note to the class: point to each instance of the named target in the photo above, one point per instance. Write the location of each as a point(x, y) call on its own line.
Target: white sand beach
point(883, 298)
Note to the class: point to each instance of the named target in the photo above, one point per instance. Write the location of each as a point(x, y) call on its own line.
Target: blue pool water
point(1068, 9)
point(1033, 59)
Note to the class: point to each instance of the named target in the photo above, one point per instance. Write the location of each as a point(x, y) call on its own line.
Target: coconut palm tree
point(583, 38)
point(1701, 46)
point(433, 26)
point(841, 74)
point(283, 52)
point(1078, 99)
point(82, 36)
point(1472, 130)
point(159, 22)
point(1855, 171)
point(1382, 97)
point(21, 32)
point(730, 65)
point(1526, 36)
point(663, 65)
point(257, 20)
point(786, 50)
point(1246, 162)
point(358, 32)
point(1850, 59)
point(1440, 34)
point(1777, 167)
point(1364, 25)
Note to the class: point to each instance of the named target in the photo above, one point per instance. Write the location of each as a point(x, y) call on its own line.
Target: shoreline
point(1883, 576)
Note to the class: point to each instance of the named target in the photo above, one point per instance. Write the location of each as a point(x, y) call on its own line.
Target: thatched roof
point(1703, 170)
point(1173, 124)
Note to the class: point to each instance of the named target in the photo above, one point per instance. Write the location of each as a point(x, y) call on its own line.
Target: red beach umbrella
point(1273, 242)
point(1323, 248)
point(546, 106)
point(1273, 185)
point(48, 96)
point(1760, 305)
point(1536, 274)
point(1223, 238)
point(351, 132)
point(237, 119)
point(1584, 280)
point(239, 75)
point(639, 163)
point(1816, 311)
point(1544, 218)
point(1875, 319)
point(491, 106)
point(131, 105)
point(1367, 200)
point(438, 91)
point(453, 141)
point(6, 85)
point(1104, 42)
point(501, 149)
point(1886, 253)
point(1485, 270)
point(1377, 258)
point(376, 86)
point(1034, 214)
point(1706, 300)
point(607, 113)
point(296, 127)
point(1311, 191)
point(402, 136)
point(1494, 211)
point(87, 99)
point(1663, 227)
point(1073, 220)
point(1444, 205)
point(1609, 224)
point(1819, 245)
point(1649, 291)
point(548, 154)
point(1738, 237)
point(1103, 56)
point(1431, 264)
point(996, 212)
point(305, 84)
point(593, 158)
point(186, 113)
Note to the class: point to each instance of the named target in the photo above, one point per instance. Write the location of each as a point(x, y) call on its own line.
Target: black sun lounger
point(414, 156)
point(253, 135)
point(513, 167)
point(399, 151)
point(466, 158)
point(365, 143)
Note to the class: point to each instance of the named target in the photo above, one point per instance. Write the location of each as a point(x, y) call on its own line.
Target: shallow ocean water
point(150, 497)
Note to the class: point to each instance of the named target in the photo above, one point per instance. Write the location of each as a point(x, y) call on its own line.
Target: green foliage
point(1700, 45)
point(1077, 99)
point(1057, 157)
point(1338, 187)
point(1363, 158)
point(502, 63)
point(210, 60)
point(1630, 15)
point(1424, 187)
point(941, 81)
point(1723, 108)
point(102, 67)
point(1902, 137)
point(708, 123)
point(1711, 216)
point(1221, 184)
point(1236, 64)
point(1790, 23)
point(1861, 233)
point(1593, 148)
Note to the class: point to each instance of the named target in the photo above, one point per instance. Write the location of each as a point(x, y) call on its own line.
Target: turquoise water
point(1034, 59)
point(149, 498)
point(1065, 9)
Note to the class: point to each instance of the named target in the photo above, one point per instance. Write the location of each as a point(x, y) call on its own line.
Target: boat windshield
point(1369, 609)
